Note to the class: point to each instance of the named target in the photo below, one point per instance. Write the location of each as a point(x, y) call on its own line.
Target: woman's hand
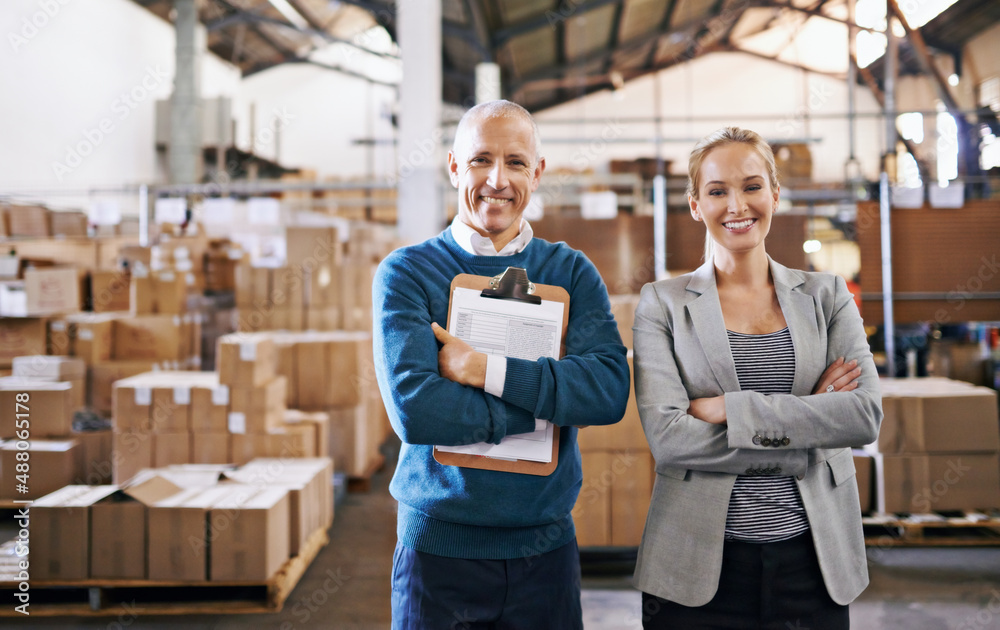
point(710, 410)
point(457, 361)
point(841, 376)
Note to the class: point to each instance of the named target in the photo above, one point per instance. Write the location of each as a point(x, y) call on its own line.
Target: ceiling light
point(953, 80)
point(811, 246)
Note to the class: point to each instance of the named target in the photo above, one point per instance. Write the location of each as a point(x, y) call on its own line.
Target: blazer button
point(785, 441)
point(750, 471)
point(776, 443)
point(766, 442)
point(777, 470)
point(756, 440)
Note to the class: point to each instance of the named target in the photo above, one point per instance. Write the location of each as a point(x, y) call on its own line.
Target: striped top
point(765, 508)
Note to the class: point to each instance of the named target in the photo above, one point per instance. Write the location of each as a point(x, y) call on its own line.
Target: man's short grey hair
point(497, 109)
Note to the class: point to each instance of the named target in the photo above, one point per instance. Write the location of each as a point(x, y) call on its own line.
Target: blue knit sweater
point(471, 513)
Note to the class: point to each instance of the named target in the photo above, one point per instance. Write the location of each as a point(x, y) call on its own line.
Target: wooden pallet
point(945, 529)
point(122, 598)
point(363, 482)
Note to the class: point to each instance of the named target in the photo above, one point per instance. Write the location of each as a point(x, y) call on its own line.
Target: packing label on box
point(143, 396)
point(237, 422)
point(86, 334)
point(248, 352)
point(182, 395)
point(220, 395)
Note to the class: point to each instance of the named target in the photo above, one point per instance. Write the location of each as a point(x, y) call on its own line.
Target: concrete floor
point(347, 587)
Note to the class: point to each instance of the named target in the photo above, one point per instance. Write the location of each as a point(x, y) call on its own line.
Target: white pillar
point(487, 82)
point(420, 159)
point(184, 155)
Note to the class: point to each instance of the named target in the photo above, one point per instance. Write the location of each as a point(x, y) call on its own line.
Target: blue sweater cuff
point(522, 383)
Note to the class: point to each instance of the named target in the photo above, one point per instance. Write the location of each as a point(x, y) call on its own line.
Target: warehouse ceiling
point(552, 51)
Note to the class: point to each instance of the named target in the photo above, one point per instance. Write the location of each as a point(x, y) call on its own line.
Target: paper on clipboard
point(514, 329)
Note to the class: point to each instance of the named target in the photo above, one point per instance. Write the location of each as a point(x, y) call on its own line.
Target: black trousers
point(768, 586)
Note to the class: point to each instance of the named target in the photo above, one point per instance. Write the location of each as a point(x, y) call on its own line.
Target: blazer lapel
point(706, 316)
point(799, 310)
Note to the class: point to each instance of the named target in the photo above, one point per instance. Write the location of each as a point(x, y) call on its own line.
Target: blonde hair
point(717, 138)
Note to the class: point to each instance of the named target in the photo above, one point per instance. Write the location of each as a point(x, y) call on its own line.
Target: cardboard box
point(352, 446)
point(623, 310)
point(631, 490)
point(960, 421)
point(318, 422)
point(68, 223)
point(288, 288)
point(864, 467)
point(171, 408)
point(211, 448)
point(934, 483)
point(171, 448)
point(21, 337)
point(170, 292)
point(132, 399)
point(110, 290)
point(56, 369)
point(178, 525)
point(53, 290)
point(142, 294)
point(54, 464)
point(132, 453)
point(29, 221)
point(59, 341)
point(102, 376)
point(260, 286)
point(309, 246)
point(244, 277)
point(306, 490)
point(246, 359)
point(256, 542)
point(117, 551)
point(60, 533)
point(43, 409)
point(97, 447)
point(148, 338)
point(626, 434)
point(591, 514)
point(92, 335)
point(210, 408)
point(257, 409)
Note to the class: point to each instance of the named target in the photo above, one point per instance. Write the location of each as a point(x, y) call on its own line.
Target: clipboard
point(512, 284)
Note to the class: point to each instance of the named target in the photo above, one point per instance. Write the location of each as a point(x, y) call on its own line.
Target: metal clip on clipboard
point(512, 284)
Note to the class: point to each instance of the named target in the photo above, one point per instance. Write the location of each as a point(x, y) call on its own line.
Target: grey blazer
point(682, 353)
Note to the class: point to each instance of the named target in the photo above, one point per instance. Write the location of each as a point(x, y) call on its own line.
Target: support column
point(885, 193)
point(420, 159)
point(185, 159)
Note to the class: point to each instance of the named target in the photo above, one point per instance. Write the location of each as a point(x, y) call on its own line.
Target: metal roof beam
point(480, 29)
point(549, 19)
point(244, 16)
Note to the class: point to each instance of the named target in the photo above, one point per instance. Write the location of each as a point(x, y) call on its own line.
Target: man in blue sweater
point(480, 548)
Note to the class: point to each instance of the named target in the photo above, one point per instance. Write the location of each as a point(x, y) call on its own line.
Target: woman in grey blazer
point(753, 380)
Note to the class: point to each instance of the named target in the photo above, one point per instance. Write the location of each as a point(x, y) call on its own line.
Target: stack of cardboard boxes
point(334, 373)
point(317, 288)
point(618, 474)
point(42, 396)
point(230, 416)
point(240, 526)
point(938, 448)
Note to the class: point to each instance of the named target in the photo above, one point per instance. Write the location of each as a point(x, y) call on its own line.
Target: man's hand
point(711, 410)
point(457, 361)
point(841, 376)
